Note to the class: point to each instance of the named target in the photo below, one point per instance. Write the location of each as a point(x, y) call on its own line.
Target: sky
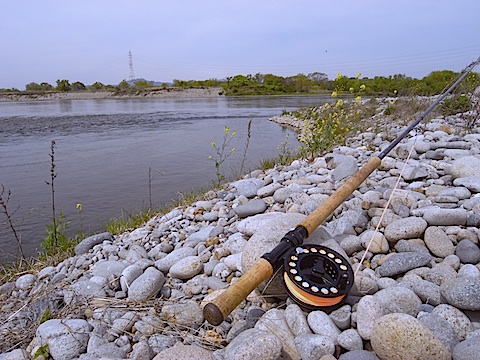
point(90, 40)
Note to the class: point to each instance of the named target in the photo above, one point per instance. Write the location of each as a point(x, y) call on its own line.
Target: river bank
point(140, 294)
point(91, 95)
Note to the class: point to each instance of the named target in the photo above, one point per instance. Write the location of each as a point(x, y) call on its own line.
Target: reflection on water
point(105, 149)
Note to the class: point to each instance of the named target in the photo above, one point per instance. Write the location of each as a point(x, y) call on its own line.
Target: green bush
point(456, 104)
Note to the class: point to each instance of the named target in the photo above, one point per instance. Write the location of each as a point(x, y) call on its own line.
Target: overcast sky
point(89, 40)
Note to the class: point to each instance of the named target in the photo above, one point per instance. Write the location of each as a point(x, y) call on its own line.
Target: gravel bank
point(87, 95)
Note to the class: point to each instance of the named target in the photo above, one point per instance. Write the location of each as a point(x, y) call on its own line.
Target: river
point(109, 153)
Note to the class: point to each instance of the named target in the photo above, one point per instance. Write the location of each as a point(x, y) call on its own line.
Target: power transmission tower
point(131, 76)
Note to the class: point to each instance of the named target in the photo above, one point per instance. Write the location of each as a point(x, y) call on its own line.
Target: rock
point(438, 242)
point(25, 281)
point(399, 263)
point(414, 173)
point(166, 263)
point(17, 354)
point(442, 330)
point(129, 274)
point(186, 268)
point(248, 187)
point(253, 344)
point(109, 269)
point(459, 322)
point(160, 342)
point(406, 228)
point(445, 217)
point(252, 207)
point(462, 293)
point(358, 355)
point(472, 183)
point(321, 324)
point(181, 352)
point(343, 166)
point(142, 351)
point(369, 310)
point(398, 300)
point(467, 349)
point(282, 194)
point(274, 322)
point(183, 314)
point(342, 317)
point(401, 336)
point(465, 166)
point(428, 292)
point(201, 236)
point(268, 190)
point(350, 340)
point(468, 252)
point(88, 243)
point(312, 346)
point(296, 320)
point(147, 285)
point(376, 242)
point(58, 335)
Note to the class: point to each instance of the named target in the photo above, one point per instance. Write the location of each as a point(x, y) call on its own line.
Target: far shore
point(91, 95)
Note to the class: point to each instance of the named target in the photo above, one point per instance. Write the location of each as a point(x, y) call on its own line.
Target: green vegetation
point(270, 84)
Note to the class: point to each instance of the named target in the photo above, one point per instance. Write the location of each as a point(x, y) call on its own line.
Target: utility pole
point(131, 76)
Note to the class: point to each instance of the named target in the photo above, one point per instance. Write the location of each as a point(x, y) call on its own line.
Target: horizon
point(90, 41)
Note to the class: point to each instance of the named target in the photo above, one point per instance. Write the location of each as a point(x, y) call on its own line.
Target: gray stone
point(181, 352)
point(296, 320)
point(183, 314)
point(129, 274)
point(467, 350)
point(109, 269)
point(405, 228)
point(350, 340)
point(252, 207)
point(459, 322)
point(359, 355)
point(142, 351)
point(465, 166)
point(458, 192)
point(123, 324)
point(282, 194)
point(399, 263)
point(166, 263)
point(160, 342)
point(472, 183)
point(321, 324)
point(445, 217)
point(82, 290)
point(369, 310)
point(66, 339)
point(25, 281)
point(17, 354)
point(268, 190)
point(428, 292)
point(248, 187)
point(274, 322)
point(147, 285)
point(351, 244)
point(441, 328)
point(374, 241)
point(313, 347)
point(342, 317)
point(343, 166)
point(414, 173)
point(398, 299)
point(253, 344)
point(396, 334)
point(468, 252)
point(462, 292)
point(438, 242)
point(7, 288)
point(186, 268)
point(200, 236)
point(88, 243)
point(469, 270)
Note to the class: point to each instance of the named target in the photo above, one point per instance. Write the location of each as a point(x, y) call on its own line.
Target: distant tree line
point(270, 84)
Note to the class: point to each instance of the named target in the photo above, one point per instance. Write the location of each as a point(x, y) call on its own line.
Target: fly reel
point(317, 277)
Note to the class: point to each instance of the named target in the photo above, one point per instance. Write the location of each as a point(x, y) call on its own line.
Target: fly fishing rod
point(315, 276)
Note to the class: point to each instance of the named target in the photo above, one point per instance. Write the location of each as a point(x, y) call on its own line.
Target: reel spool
point(317, 277)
